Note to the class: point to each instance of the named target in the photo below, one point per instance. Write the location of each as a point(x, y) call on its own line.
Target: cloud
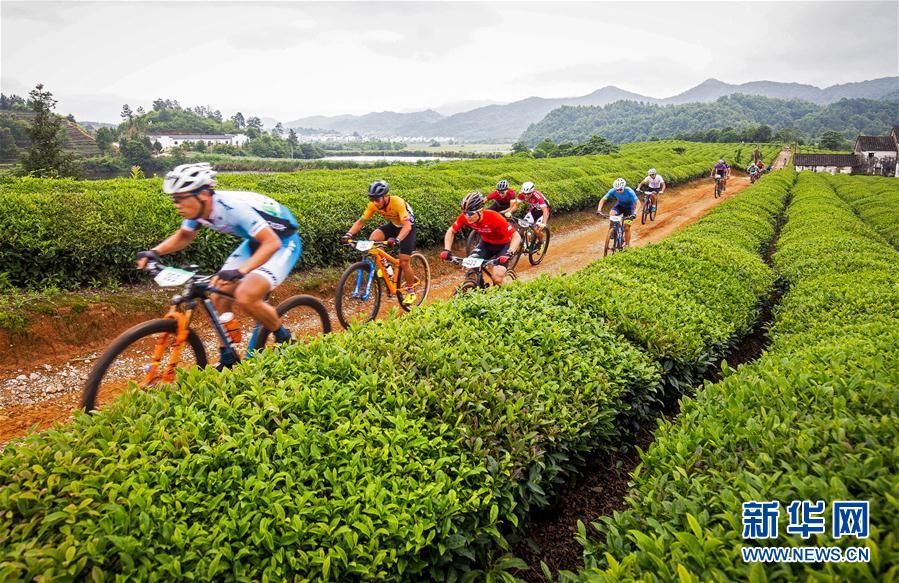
point(41, 12)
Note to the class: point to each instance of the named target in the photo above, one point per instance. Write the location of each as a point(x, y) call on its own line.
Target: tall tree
point(278, 130)
point(104, 138)
point(832, 140)
point(239, 122)
point(292, 141)
point(45, 156)
point(127, 114)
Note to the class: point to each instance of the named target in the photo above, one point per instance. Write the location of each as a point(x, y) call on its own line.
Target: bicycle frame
point(375, 259)
point(196, 289)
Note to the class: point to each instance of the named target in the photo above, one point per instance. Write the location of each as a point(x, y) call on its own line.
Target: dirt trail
point(48, 389)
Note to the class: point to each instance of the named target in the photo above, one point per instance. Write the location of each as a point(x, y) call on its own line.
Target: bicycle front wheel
point(305, 317)
point(422, 270)
point(473, 240)
point(129, 360)
point(646, 207)
point(358, 295)
point(539, 248)
point(655, 208)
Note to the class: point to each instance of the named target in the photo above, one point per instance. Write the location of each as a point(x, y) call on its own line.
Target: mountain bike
point(478, 275)
point(615, 240)
point(530, 241)
point(753, 178)
point(718, 186)
point(649, 210)
point(148, 354)
point(359, 289)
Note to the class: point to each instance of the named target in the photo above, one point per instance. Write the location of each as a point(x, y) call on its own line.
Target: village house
point(872, 155)
point(172, 140)
point(830, 163)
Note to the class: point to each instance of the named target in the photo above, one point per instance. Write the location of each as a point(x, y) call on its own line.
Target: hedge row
point(399, 450)
point(874, 199)
point(813, 419)
point(72, 233)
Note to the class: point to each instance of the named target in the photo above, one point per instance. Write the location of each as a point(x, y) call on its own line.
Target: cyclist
point(625, 204)
point(753, 172)
point(502, 198)
point(655, 185)
point(271, 245)
point(398, 230)
point(721, 169)
point(498, 238)
point(538, 208)
point(762, 167)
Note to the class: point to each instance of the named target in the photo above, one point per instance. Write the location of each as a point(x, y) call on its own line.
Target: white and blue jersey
point(245, 214)
point(626, 201)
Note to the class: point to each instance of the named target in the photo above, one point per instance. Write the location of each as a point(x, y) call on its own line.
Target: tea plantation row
point(813, 419)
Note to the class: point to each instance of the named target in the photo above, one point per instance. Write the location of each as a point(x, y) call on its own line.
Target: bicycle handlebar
point(458, 260)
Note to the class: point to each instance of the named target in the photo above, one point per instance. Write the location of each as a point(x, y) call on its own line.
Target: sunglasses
point(470, 214)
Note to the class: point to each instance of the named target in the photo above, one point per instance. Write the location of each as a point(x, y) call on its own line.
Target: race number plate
point(364, 245)
point(172, 277)
point(472, 262)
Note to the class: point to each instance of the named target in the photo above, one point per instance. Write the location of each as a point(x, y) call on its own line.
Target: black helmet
point(378, 188)
point(502, 185)
point(473, 202)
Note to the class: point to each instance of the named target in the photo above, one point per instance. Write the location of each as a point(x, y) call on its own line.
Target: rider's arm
point(601, 202)
point(404, 231)
point(356, 226)
point(269, 243)
point(176, 242)
point(515, 243)
point(664, 186)
point(448, 238)
point(512, 206)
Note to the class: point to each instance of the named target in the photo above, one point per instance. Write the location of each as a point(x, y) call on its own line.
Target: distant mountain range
point(507, 122)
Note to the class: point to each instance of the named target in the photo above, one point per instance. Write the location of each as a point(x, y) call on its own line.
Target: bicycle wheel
point(538, 251)
point(609, 245)
point(646, 207)
point(655, 208)
point(717, 188)
point(127, 360)
point(356, 300)
point(422, 271)
point(467, 286)
point(305, 317)
point(473, 240)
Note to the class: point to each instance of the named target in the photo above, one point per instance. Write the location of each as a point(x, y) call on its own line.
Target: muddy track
point(46, 388)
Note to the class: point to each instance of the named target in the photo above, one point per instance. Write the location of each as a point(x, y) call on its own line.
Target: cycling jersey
point(654, 182)
point(534, 199)
point(492, 227)
point(752, 169)
point(396, 211)
point(504, 198)
point(245, 214)
point(720, 169)
point(628, 197)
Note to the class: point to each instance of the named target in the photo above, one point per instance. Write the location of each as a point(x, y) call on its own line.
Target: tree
point(278, 130)
point(136, 150)
point(127, 114)
point(45, 156)
point(104, 138)
point(238, 120)
point(255, 123)
point(545, 149)
point(140, 110)
point(8, 149)
point(520, 147)
point(292, 141)
point(832, 140)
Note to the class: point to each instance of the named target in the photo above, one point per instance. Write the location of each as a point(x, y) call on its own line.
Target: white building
point(829, 163)
point(878, 154)
point(169, 141)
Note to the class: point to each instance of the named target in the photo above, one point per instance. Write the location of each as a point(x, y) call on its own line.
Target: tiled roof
point(875, 143)
point(825, 160)
point(193, 136)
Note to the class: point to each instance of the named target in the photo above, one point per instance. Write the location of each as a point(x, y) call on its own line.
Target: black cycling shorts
point(407, 245)
point(488, 251)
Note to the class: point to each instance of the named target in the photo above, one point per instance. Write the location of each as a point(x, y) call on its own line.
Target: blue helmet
point(378, 188)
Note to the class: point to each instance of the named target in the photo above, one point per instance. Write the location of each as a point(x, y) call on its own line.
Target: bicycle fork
point(361, 292)
point(162, 343)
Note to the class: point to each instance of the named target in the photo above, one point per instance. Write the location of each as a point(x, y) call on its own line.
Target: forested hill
point(628, 121)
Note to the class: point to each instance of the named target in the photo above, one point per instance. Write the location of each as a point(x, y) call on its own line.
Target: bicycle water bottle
point(387, 267)
point(232, 327)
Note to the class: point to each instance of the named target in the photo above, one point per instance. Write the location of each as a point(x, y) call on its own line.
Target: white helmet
point(527, 188)
point(619, 183)
point(189, 177)
point(652, 171)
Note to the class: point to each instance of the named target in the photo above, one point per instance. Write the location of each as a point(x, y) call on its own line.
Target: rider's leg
point(250, 296)
point(498, 274)
point(627, 234)
point(407, 248)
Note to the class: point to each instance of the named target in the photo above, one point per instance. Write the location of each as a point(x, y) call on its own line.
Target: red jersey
point(492, 227)
point(534, 199)
point(504, 198)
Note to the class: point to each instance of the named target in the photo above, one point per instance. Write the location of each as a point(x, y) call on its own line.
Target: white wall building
point(169, 141)
point(829, 163)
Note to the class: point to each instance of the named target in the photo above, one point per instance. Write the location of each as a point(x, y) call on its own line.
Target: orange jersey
point(397, 211)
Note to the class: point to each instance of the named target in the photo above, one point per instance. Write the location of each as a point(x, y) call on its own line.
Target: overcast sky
point(292, 59)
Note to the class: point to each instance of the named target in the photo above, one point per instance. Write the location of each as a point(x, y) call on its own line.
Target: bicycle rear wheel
point(422, 271)
point(356, 301)
point(538, 249)
point(129, 360)
point(305, 317)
